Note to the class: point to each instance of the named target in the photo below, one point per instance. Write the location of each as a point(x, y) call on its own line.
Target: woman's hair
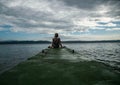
point(56, 34)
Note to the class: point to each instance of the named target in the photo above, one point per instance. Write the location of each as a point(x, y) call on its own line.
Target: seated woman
point(56, 42)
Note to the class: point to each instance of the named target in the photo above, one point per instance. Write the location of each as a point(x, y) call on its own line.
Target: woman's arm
point(60, 43)
point(52, 43)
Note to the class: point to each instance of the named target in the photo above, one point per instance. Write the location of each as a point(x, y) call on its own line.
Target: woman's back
point(56, 42)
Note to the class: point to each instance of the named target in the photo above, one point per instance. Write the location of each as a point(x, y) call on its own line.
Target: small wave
point(114, 64)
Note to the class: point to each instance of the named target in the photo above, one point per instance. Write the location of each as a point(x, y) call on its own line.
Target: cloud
point(82, 4)
point(62, 16)
point(110, 25)
point(113, 29)
point(86, 37)
point(1, 29)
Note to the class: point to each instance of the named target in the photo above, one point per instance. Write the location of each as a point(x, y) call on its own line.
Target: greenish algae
point(55, 67)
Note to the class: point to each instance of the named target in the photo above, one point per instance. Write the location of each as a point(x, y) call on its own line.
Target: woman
point(56, 42)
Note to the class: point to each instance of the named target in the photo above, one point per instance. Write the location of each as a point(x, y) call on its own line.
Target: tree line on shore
point(47, 42)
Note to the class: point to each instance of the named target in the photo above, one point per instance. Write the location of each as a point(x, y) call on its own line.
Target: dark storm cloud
point(84, 4)
point(22, 12)
point(23, 16)
point(44, 16)
point(91, 5)
point(27, 18)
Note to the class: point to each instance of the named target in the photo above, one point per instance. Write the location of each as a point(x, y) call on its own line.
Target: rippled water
point(12, 54)
point(108, 53)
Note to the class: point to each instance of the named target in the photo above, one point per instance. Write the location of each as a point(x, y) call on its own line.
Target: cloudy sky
point(72, 19)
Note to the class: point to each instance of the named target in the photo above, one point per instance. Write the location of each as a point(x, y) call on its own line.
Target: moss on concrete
point(44, 70)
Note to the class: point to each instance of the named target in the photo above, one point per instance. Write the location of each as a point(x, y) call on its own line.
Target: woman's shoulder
point(56, 38)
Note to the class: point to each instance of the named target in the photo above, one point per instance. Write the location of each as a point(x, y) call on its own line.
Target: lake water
point(108, 53)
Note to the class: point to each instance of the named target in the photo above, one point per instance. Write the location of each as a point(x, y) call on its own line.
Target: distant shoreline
point(48, 42)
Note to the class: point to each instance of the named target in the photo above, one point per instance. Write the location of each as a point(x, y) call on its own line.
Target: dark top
point(56, 42)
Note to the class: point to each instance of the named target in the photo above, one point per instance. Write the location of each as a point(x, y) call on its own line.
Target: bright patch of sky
point(72, 19)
